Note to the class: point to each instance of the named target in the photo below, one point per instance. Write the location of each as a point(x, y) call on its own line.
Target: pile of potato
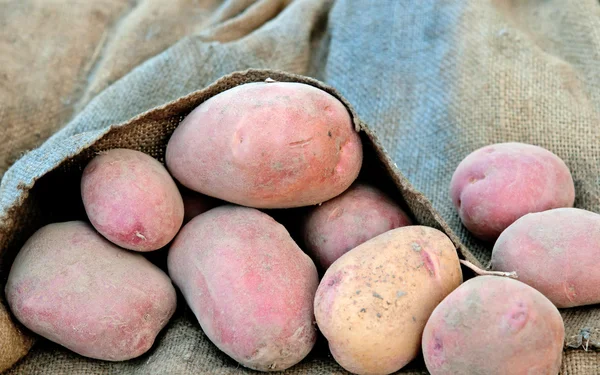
point(380, 288)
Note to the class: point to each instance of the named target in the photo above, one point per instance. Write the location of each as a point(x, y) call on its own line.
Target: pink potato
point(249, 285)
point(267, 145)
point(131, 199)
point(495, 326)
point(72, 286)
point(497, 184)
point(344, 222)
point(557, 252)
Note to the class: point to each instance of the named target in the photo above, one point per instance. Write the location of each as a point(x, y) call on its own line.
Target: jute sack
point(54, 196)
point(14, 343)
point(446, 78)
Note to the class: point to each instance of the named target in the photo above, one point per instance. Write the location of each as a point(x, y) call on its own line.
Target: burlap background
point(434, 79)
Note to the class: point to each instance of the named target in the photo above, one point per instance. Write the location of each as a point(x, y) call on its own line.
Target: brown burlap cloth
point(433, 79)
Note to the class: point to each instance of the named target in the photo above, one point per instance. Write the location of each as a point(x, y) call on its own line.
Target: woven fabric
point(431, 80)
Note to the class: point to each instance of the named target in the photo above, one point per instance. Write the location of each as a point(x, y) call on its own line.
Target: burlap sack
point(55, 197)
point(434, 79)
point(14, 343)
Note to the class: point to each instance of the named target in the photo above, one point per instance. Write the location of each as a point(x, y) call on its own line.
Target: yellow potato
point(373, 302)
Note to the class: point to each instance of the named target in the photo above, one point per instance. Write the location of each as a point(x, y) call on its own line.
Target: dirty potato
point(373, 302)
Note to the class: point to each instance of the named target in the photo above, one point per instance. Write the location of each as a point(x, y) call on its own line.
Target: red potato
point(497, 184)
point(249, 285)
point(72, 286)
point(267, 145)
point(495, 326)
point(557, 252)
point(344, 222)
point(131, 199)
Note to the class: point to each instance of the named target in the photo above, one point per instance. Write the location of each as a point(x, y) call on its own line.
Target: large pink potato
point(267, 145)
point(249, 285)
point(497, 184)
point(494, 326)
point(373, 302)
point(557, 252)
point(344, 222)
point(72, 286)
point(131, 199)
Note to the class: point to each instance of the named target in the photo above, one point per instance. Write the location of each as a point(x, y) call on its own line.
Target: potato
point(497, 184)
point(195, 204)
point(72, 286)
point(495, 326)
point(267, 145)
point(344, 222)
point(374, 301)
point(557, 252)
point(131, 199)
point(249, 285)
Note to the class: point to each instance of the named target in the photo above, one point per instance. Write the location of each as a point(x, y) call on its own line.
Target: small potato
point(131, 199)
point(495, 326)
point(557, 252)
point(344, 222)
point(249, 285)
point(374, 301)
point(267, 145)
point(72, 286)
point(497, 184)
